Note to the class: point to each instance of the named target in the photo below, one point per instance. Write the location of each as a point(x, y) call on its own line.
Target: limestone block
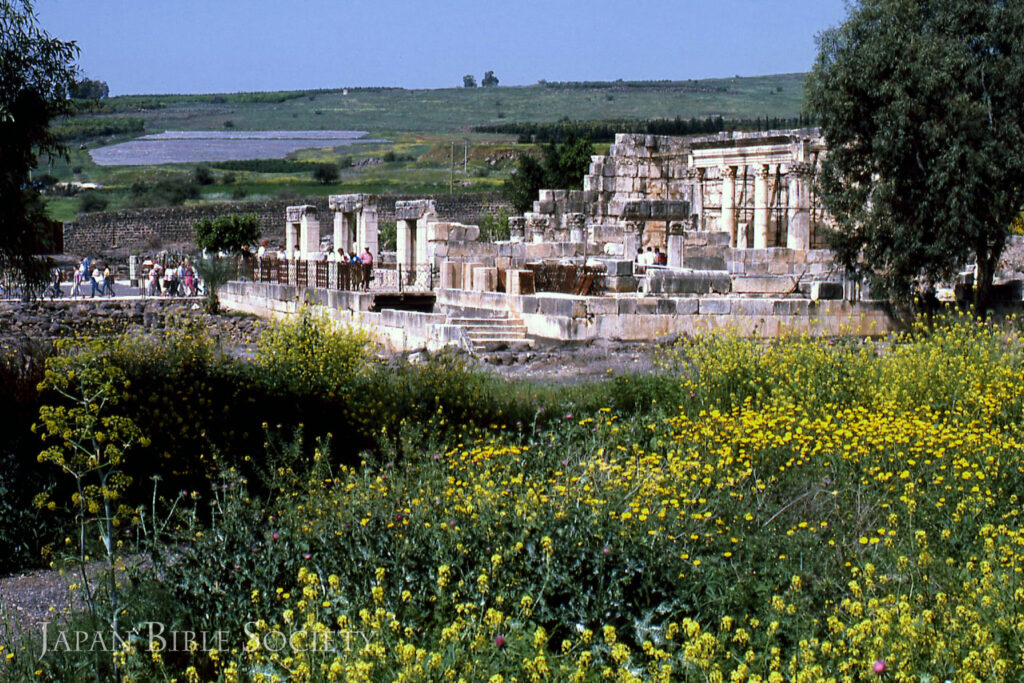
point(467, 273)
point(544, 206)
point(626, 305)
point(451, 275)
point(530, 304)
point(791, 307)
point(647, 305)
point(704, 262)
point(619, 285)
point(711, 306)
point(765, 284)
point(696, 238)
point(601, 306)
point(519, 282)
point(666, 307)
point(557, 306)
point(753, 307)
point(485, 279)
point(618, 267)
point(668, 281)
point(826, 290)
point(472, 232)
point(546, 195)
point(687, 305)
point(437, 232)
point(717, 238)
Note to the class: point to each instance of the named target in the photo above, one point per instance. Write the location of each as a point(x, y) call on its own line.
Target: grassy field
point(457, 109)
point(419, 125)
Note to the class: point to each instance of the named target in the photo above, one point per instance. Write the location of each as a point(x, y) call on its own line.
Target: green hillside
point(454, 109)
point(419, 127)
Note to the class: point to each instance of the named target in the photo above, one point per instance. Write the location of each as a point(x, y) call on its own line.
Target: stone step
point(496, 334)
point(483, 321)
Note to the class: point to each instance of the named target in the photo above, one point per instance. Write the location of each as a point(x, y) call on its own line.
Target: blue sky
point(196, 46)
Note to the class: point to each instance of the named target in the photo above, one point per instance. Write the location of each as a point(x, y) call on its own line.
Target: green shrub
point(91, 200)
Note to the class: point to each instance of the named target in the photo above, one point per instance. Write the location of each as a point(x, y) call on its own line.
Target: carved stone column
point(728, 221)
point(799, 210)
point(761, 212)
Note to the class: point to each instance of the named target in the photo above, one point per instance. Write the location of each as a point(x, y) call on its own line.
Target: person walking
point(76, 282)
point(95, 279)
point(54, 288)
point(108, 281)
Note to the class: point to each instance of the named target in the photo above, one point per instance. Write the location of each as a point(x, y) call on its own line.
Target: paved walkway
point(122, 291)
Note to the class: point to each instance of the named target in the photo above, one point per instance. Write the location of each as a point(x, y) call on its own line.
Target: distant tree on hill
point(468, 81)
point(87, 89)
point(489, 80)
point(325, 174)
point(202, 175)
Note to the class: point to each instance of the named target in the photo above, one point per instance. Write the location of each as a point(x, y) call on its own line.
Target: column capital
point(729, 172)
point(802, 169)
point(763, 171)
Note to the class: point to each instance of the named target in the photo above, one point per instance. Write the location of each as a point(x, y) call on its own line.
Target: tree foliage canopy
point(922, 107)
point(562, 166)
point(36, 75)
point(226, 233)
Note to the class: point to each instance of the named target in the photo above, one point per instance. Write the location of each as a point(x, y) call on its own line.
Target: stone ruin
point(735, 214)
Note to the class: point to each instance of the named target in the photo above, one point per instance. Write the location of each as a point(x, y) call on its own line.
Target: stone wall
point(149, 229)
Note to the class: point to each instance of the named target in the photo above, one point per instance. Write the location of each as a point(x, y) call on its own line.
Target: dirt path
point(31, 598)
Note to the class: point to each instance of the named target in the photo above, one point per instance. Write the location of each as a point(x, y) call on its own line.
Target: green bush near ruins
point(924, 117)
point(227, 233)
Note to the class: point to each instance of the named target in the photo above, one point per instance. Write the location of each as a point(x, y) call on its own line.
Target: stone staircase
point(494, 334)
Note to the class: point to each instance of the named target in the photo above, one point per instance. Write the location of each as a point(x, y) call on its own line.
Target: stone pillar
point(308, 229)
point(798, 234)
point(406, 243)
point(728, 220)
point(291, 238)
point(632, 240)
point(367, 234)
point(344, 222)
point(676, 243)
point(761, 212)
point(695, 177)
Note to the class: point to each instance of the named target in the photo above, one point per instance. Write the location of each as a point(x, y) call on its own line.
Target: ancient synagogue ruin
point(668, 236)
